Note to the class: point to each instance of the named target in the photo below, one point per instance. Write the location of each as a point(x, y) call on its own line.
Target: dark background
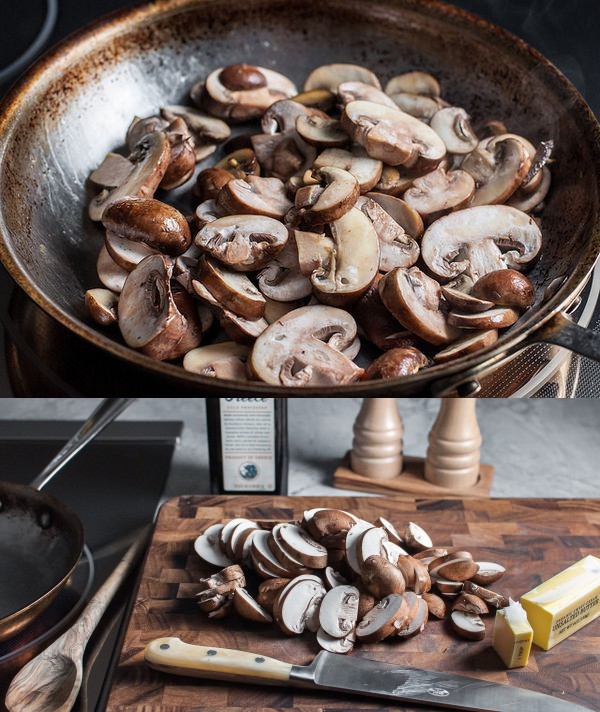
point(566, 31)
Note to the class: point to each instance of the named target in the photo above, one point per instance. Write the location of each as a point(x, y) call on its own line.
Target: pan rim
point(74, 46)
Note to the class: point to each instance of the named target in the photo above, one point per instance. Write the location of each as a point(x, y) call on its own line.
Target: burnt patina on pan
point(75, 105)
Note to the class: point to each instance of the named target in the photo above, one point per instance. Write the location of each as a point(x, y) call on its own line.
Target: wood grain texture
point(533, 538)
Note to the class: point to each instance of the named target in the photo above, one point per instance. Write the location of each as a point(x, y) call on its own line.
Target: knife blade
point(343, 674)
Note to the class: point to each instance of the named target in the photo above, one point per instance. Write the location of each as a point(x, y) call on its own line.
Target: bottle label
point(248, 444)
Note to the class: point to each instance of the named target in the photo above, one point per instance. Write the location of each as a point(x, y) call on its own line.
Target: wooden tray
point(533, 538)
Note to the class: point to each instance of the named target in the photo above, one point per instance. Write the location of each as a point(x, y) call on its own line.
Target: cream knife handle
point(174, 656)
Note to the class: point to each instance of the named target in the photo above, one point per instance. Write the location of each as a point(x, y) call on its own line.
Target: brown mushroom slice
point(529, 201)
point(338, 610)
point(388, 617)
point(209, 183)
point(111, 274)
point(304, 348)
point(151, 221)
point(498, 168)
point(439, 191)
point(248, 608)
point(283, 155)
point(354, 261)
point(381, 577)
point(232, 289)
point(113, 171)
point(126, 253)
point(301, 546)
point(452, 124)
point(464, 302)
point(415, 300)
point(321, 131)
point(414, 83)
point(315, 250)
point(401, 212)
point(223, 360)
point(240, 163)
point(396, 247)
point(149, 162)
point(206, 212)
point(498, 318)
point(369, 544)
point(392, 181)
point(242, 91)
point(254, 196)
point(391, 135)
point(338, 195)
point(359, 91)
point(321, 99)
point(244, 242)
point(183, 154)
point(330, 76)
point(296, 603)
point(396, 363)
point(206, 130)
point(534, 177)
point(282, 280)
point(468, 625)
point(491, 597)
point(365, 169)
point(469, 241)
point(281, 116)
point(102, 305)
point(505, 287)
point(208, 549)
point(467, 345)
point(421, 107)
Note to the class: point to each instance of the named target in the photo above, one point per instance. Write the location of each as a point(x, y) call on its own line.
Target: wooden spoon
point(50, 682)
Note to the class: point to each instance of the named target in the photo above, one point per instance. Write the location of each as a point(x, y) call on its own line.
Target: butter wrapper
point(564, 603)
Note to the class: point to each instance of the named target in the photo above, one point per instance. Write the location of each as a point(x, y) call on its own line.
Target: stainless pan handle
point(105, 413)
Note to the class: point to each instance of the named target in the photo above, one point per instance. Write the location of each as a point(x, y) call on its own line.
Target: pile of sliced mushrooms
point(344, 579)
point(340, 213)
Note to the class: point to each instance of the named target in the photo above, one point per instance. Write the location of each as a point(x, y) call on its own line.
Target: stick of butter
point(512, 635)
point(564, 603)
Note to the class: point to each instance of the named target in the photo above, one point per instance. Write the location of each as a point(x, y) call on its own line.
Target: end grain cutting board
point(534, 539)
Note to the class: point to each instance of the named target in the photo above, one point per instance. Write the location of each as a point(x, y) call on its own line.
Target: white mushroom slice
point(321, 131)
point(469, 241)
point(414, 83)
point(392, 182)
point(297, 602)
point(499, 166)
point(102, 306)
point(282, 280)
point(415, 300)
point(149, 162)
point(529, 201)
point(233, 547)
point(330, 76)
point(223, 360)
point(232, 289)
point(417, 622)
point(461, 301)
point(396, 248)
point(254, 195)
point(301, 547)
point(365, 169)
point(469, 625)
point(149, 319)
point(440, 191)
point(207, 212)
point(333, 578)
point(392, 551)
point(489, 572)
point(391, 135)
point(244, 242)
point(342, 646)
point(352, 540)
point(205, 129)
point(338, 611)
point(359, 91)
point(262, 552)
point(388, 617)
point(113, 171)
point(126, 253)
point(421, 107)
point(227, 531)
point(328, 202)
point(109, 272)
point(447, 587)
point(241, 91)
point(498, 318)
point(467, 345)
point(452, 124)
point(281, 116)
point(400, 211)
point(285, 557)
point(416, 537)
point(315, 250)
point(390, 530)
point(370, 544)
point(208, 548)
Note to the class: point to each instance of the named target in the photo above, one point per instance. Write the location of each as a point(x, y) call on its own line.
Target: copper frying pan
point(75, 104)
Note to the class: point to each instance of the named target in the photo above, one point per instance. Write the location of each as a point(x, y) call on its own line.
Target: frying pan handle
point(105, 413)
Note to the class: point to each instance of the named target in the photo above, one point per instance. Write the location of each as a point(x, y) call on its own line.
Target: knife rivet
point(164, 646)
point(211, 652)
point(259, 660)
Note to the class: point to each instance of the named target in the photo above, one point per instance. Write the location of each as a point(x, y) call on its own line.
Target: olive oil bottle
point(247, 445)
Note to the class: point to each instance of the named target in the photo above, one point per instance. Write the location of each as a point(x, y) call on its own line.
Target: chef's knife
point(351, 675)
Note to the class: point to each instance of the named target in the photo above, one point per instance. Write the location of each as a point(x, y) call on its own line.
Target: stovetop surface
point(566, 32)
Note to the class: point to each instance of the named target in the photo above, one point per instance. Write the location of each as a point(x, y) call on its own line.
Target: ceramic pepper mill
point(377, 445)
point(454, 442)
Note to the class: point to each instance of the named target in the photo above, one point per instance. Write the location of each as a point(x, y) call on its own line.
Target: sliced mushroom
point(102, 306)
point(275, 310)
point(262, 554)
point(414, 83)
point(365, 169)
point(330, 76)
point(392, 181)
point(269, 591)
point(391, 135)
point(435, 604)
point(338, 611)
point(244, 242)
point(301, 546)
point(206, 130)
point(113, 171)
point(530, 201)
point(126, 253)
point(470, 241)
point(397, 248)
point(232, 289)
point(283, 155)
point(242, 91)
point(342, 646)
point(401, 212)
point(498, 166)
point(139, 128)
point(440, 191)
point(282, 279)
point(415, 300)
point(467, 345)
point(150, 221)
point(183, 155)
point(354, 261)
point(281, 116)
point(248, 608)
point(254, 196)
point(330, 201)
point(540, 158)
point(421, 107)
point(321, 131)
point(322, 99)
point(303, 348)
point(207, 212)
point(388, 617)
point(498, 318)
point(461, 301)
point(490, 597)
point(396, 363)
point(109, 272)
point(452, 124)
point(416, 537)
point(470, 603)
point(381, 577)
point(283, 556)
point(223, 360)
point(330, 526)
point(469, 625)
point(188, 308)
point(149, 162)
point(208, 549)
point(296, 602)
point(359, 91)
point(418, 621)
point(209, 183)
point(240, 163)
point(505, 287)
